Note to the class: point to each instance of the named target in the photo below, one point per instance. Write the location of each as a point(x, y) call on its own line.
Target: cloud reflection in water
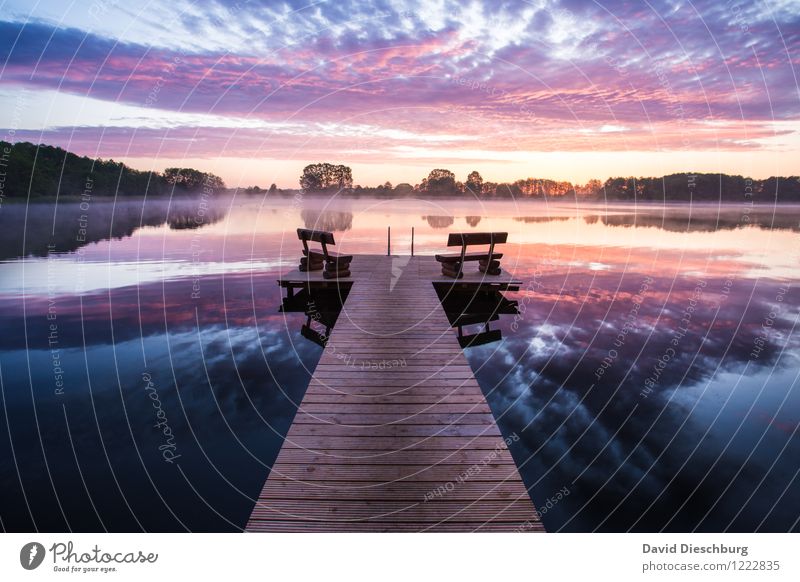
point(697, 451)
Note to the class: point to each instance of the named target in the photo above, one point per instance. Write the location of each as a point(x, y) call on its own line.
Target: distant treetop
point(325, 176)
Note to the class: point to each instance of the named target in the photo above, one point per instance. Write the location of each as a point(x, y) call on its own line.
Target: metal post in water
point(412, 241)
point(388, 241)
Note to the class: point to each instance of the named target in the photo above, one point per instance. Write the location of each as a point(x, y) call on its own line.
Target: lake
point(148, 376)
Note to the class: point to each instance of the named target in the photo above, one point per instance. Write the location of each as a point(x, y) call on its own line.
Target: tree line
point(42, 170)
point(673, 187)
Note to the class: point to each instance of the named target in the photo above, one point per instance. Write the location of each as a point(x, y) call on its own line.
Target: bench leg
point(336, 269)
point(312, 264)
point(335, 274)
point(453, 270)
point(489, 267)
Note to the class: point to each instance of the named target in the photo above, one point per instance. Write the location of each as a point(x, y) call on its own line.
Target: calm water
point(148, 376)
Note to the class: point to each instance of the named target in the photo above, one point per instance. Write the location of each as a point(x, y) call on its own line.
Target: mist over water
point(652, 372)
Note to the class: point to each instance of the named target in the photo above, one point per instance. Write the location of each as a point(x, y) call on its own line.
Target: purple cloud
point(644, 77)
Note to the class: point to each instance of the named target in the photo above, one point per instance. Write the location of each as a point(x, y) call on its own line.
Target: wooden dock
point(393, 433)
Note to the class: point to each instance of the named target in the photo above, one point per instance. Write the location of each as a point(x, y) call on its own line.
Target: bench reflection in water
point(464, 309)
point(322, 308)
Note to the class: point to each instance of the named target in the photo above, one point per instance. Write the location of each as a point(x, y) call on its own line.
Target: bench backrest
point(320, 236)
point(457, 239)
point(465, 239)
point(323, 237)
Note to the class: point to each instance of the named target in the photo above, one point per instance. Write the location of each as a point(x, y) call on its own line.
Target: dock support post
point(388, 241)
point(412, 241)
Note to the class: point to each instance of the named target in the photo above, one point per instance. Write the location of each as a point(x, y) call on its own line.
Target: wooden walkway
point(393, 433)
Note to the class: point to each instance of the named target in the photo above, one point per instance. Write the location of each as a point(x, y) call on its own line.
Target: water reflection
point(228, 372)
point(537, 219)
point(644, 433)
point(38, 229)
point(330, 220)
point(321, 308)
point(467, 310)
point(192, 221)
point(702, 221)
point(464, 310)
point(439, 221)
point(649, 404)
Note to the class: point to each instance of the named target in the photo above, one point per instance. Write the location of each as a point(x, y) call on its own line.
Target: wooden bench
point(488, 261)
point(335, 265)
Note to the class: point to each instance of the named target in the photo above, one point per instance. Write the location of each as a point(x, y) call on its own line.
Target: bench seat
point(332, 255)
point(456, 257)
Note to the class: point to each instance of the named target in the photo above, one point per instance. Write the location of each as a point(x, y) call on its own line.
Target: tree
point(439, 181)
point(474, 183)
point(190, 179)
point(776, 188)
point(342, 177)
point(312, 178)
point(185, 178)
point(404, 188)
point(506, 190)
point(213, 181)
point(325, 176)
point(623, 188)
point(490, 188)
point(592, 188)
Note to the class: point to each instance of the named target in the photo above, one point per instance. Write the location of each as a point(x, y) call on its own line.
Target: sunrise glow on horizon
point(551, 89)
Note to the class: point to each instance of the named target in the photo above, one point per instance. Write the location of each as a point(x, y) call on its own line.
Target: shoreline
point(291, 196)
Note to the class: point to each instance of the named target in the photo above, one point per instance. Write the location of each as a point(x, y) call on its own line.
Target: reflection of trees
point(705, 223)
point(181, 220)
point(327, 219)
point(439, 221)
point(67, 227)
point(472, 220)
point(541, 218)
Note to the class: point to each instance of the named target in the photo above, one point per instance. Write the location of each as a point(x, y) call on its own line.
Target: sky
point(254, 91)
